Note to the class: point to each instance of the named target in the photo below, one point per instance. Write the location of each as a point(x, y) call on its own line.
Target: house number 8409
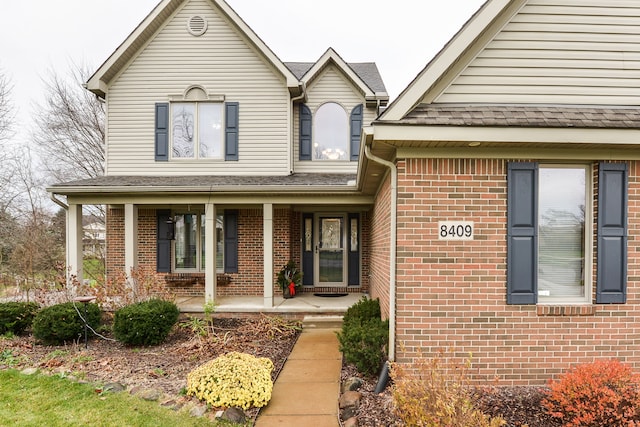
point(455, 230)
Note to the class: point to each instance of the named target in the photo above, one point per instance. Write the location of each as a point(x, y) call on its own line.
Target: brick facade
point(452, 294)
point(249, 279)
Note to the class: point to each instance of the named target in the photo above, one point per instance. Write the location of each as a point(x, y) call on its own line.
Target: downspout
point(393, 250)
point(303, 94)
point(58, 202)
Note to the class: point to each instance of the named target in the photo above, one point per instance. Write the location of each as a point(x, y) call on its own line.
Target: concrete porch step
point(322, 322)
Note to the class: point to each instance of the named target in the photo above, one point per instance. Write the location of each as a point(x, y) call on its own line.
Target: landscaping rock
point(198, 411)
point(235, 415)
point(114, 387)
point(350, 399)
point(351, 422)
point(348, 412)
point(150, 394)
point(29, 371)
point(351, 384)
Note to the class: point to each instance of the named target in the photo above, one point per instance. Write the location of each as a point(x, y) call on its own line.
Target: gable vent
point(197, 25)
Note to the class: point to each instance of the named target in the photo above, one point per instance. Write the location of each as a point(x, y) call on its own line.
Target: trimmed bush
point(602, 393)
point(16, 317)
point(234, 379)
point(60, 323)
point(364, 336)
point(363, 310)
point(145, 323)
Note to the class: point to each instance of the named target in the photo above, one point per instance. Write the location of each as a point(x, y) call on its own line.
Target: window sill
point(190, 279)
point(566, 310)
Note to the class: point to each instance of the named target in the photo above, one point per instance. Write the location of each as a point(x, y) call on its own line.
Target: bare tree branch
point(7, 112)
point(69, 128)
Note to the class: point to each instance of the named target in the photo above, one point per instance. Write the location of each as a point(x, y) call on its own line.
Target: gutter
point(58, 202)
point(392, 253)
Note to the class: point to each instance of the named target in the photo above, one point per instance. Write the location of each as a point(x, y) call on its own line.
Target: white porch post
point(130, 238)
point(210, 257)
point(74, 242)
point(267, 210)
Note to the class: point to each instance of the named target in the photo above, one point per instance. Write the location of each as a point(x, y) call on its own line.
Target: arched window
point(331, 133)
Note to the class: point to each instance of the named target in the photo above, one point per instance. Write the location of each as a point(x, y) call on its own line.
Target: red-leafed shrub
point(602, 393)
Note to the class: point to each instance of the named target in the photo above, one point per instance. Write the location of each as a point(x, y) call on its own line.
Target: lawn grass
point(39, 400)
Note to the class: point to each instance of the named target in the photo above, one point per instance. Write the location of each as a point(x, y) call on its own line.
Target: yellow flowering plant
point(234, 379)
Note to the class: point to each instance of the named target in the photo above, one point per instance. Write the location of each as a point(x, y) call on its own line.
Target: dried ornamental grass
point(234, 379)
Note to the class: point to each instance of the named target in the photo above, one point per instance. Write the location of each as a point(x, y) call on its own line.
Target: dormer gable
point(364, 76)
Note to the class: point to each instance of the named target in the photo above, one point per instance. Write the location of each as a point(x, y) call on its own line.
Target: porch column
point(267, 218)
point(210, 253)
point(74, 242)
point(130, 239)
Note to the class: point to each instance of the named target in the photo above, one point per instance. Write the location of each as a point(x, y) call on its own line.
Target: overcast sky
point(401, 36)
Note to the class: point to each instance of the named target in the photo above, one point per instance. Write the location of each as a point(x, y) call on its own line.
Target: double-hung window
point(197, 130)
point(181, 247)
point(551, 238)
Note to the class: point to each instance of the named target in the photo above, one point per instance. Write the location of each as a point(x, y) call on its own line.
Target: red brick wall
point(379, 247)
point(114, 260)
point(452, 295)
point(248, 280)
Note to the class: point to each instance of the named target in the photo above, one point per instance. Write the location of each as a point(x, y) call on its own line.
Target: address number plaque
point(455, 230)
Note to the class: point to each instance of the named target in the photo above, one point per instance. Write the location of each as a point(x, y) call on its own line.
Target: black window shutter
point(612, 234)
point(163, 242)
point(305, 132)
point(162, 131)
point(307, 253)
point(522, 236)
point(356, 131)
point(232, 113)
point(231, 241)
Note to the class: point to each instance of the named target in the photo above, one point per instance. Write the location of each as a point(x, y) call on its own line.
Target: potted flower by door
point(289, 278)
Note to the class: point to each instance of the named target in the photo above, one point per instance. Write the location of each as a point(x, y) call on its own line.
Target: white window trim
point(314, 134)
point(588, 237)
point(196, 157)
point(199, 267)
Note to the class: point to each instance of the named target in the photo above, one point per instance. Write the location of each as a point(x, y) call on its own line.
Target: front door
point(330, 262)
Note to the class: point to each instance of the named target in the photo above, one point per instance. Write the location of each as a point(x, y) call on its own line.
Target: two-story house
point(220, 158)
point(492, 208)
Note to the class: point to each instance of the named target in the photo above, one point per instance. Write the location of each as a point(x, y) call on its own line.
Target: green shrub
point(602, 393)
point(233, 380)
point(437, 392)
point(364, 344)
point(16, 317)
point(363, 310)
point(61, 322)
point(364, 336)
point(145, 323)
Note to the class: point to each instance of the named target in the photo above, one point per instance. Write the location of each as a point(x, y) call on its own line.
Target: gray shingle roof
point(367, 71)
point(549, 116)
point(211, 183)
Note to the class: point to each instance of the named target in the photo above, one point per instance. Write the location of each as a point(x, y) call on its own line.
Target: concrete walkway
point(307, 390)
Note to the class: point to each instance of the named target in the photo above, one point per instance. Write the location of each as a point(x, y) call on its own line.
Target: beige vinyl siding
point(558, 52)
point(329, 86)
point(221, 62)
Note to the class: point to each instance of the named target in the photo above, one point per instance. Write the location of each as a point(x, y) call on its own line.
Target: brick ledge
point(566, 310)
